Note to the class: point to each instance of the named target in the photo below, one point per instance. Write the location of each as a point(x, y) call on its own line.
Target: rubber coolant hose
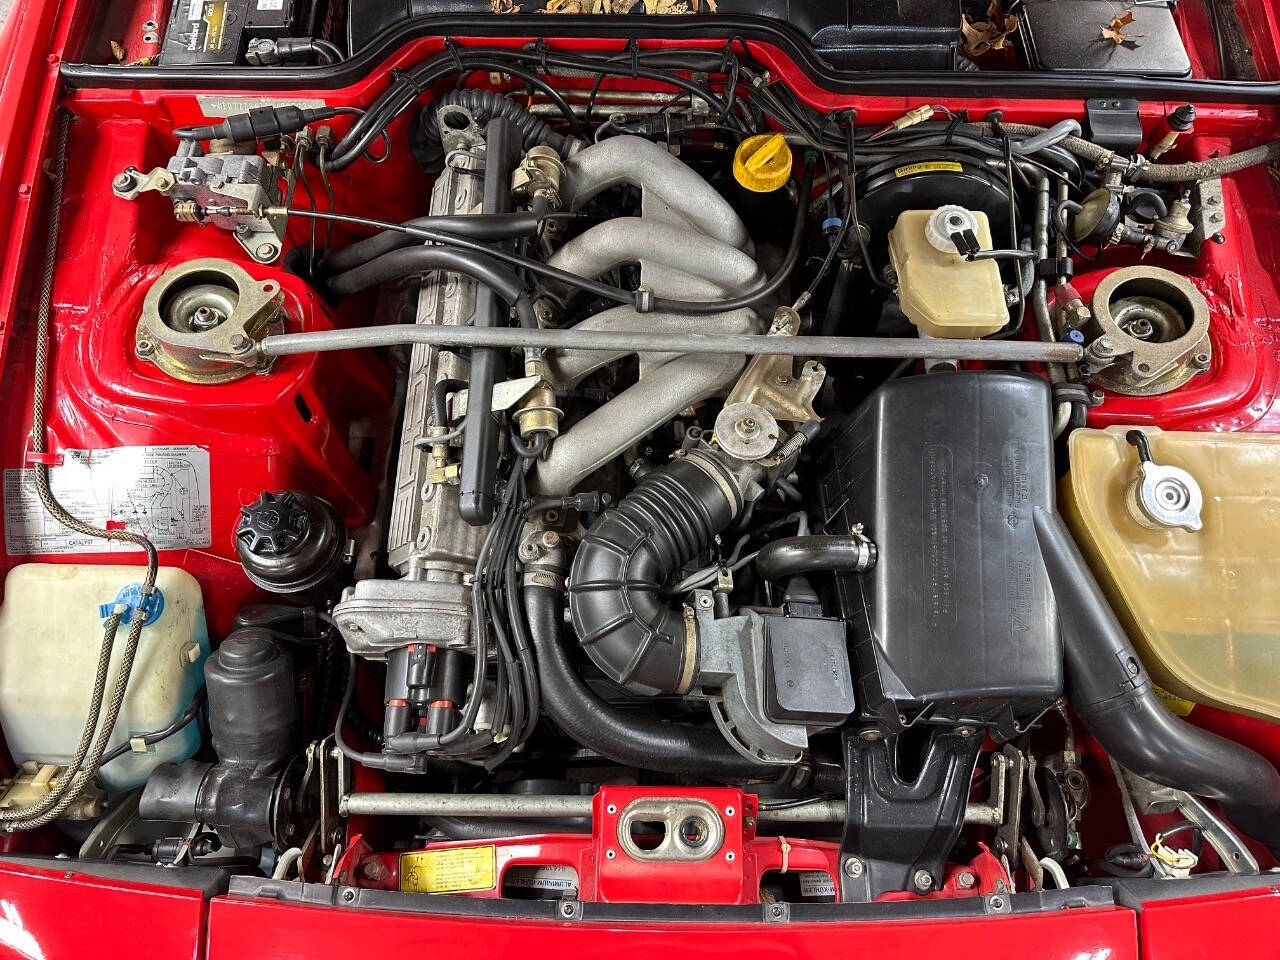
point(790, 556)
point(621, 736)
point(478, 226)
point(1111, 693)
point(399, 264)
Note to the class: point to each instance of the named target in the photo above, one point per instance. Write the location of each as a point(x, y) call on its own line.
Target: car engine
point(578, 469)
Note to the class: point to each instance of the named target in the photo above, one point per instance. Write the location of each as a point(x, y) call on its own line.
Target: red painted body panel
point(1247, 925)
point(607, 874)
point(247, 930)
point(112, 250)
point(67, 915)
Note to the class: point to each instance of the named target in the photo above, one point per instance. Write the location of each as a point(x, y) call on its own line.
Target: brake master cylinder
point(940, 290)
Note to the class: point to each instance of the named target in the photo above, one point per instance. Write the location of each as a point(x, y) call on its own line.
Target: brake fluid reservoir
point(50, 641)
point(940, 291)
point(1202, 606)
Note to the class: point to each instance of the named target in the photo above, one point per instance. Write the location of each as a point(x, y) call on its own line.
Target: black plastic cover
point(806, 671)
point(854, 35)
point(1066, 35)
point(253, 715)
point(956, 622)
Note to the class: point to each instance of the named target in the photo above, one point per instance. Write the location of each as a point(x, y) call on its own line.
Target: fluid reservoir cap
point(1168, 496)
point(1162, 495)
point(945, 221)
point(272, 524)
point(291, 543)
point(131, 597)
point(762, 163)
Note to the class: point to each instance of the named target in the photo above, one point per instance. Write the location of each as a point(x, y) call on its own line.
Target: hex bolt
point(265, 251)
point(853, 867)
point(145, 348)
point(922, 880)
point(966, 880)
point(123, 181)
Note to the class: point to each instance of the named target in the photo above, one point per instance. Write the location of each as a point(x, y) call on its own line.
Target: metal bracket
point(901, 831)
point(771, 381)
point(506, 394)
point(131, 182)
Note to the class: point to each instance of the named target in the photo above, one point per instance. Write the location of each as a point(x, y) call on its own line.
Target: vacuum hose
point(615, 584)
point(1112, 694)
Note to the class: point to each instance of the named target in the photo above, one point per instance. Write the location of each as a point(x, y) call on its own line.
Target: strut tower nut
point(200, 320)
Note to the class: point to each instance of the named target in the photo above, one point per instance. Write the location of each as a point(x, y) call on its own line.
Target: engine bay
point(581, 469)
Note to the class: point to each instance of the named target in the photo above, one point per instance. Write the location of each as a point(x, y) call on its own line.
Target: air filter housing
point(956, 622)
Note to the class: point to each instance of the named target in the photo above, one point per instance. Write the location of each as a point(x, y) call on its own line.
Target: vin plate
point(162, 492)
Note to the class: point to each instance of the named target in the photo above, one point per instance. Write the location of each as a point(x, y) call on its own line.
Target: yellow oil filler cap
point(762, 163)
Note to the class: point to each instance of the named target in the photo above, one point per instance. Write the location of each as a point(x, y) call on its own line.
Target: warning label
point(162, 492)
point(815, 883)
point(452, 870)
point(558, 879)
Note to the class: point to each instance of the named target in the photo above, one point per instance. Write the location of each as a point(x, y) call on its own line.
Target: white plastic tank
point(50, 641)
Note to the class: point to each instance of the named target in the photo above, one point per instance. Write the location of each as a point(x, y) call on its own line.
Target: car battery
point(216, 32)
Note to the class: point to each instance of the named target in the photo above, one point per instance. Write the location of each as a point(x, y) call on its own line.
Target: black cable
point(328, 48)
point(851, 187)
point(156, 736)
point(408, 85)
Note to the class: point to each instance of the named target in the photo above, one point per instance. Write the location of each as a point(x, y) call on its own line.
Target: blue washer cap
point(1074, 336)
point(131, 597)
point(831, 225)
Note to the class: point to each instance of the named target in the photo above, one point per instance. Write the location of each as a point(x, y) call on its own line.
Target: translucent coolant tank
point(1202, 607)
point(50, 640)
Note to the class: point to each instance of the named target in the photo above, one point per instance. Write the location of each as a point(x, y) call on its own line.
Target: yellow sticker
point(215, 16)
point(1178, 706)
point(930, 166)
point(451, 870)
